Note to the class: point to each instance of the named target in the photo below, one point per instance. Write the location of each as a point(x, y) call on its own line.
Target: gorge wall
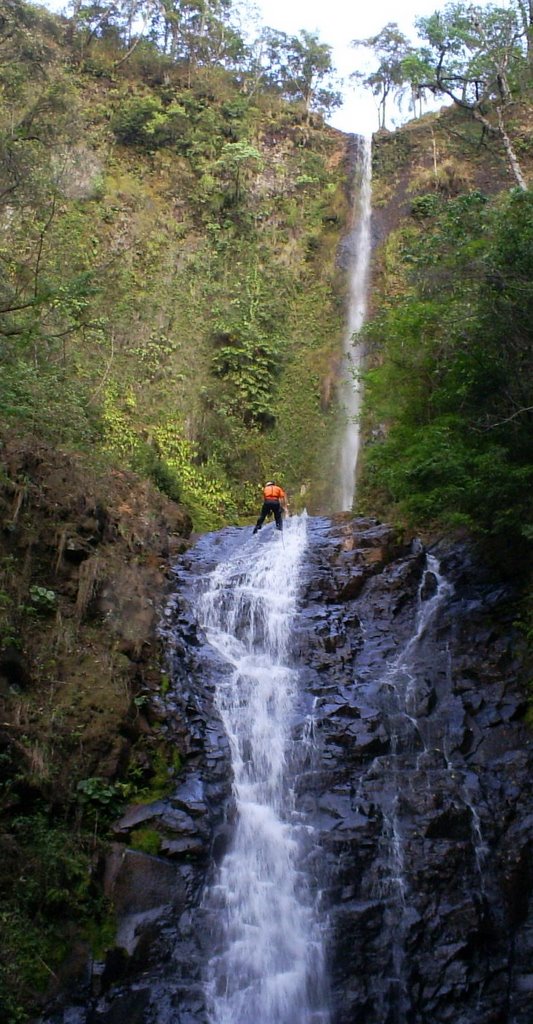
point(171, 242)
point(418, 793)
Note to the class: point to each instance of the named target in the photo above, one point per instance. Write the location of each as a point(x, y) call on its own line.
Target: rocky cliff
point(83, 576)
point(418, 793)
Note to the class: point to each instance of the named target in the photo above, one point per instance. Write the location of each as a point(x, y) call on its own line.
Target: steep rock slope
point(171, 288)
point(419, 794)
point(83, 574)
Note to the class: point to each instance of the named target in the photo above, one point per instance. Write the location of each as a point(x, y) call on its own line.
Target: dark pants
point(270, 508)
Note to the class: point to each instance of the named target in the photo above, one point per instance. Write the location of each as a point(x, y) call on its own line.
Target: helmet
point(270, 483)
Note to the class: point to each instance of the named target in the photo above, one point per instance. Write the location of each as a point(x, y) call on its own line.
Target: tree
point(391, 48)
point(311, 68)
point(194, 31)
point(473, 55)
point(525, 13)
point(200, 31)
point(237, 161)
point(301, 67)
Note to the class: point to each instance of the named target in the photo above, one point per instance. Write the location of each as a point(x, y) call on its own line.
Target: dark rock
point(75, 549)
point(126, 1008)
point(137, 882)
point(138, 814)
point(179, 847)
point(453, 823)
point(415, 797)
point(429, 586)
point(13, 668)
point(191, 796)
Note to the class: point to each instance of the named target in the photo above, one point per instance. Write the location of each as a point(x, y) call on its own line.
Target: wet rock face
point(424, 796)
point(419, 792)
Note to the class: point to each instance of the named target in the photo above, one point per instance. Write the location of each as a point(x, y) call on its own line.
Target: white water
point(359, 244)
point(268, 964)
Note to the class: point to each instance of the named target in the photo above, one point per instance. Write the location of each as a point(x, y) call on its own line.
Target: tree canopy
point(478, 57)
point(390, 47)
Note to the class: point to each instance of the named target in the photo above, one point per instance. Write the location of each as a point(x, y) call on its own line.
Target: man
point(274, 503)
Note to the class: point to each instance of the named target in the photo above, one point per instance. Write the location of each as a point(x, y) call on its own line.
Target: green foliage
point(238, 160)
point(477, 57)
point(301, 67)
point(101, 929)
point(147, 123)
point(167, 480)
point(469, 53)
point(147, 840)
point(46, 882)
point(31, 948)
point(43, 600)
point(448, 401)
point(165, 684)
point(165, 765)
point(157, 292)
point(209, 499)
point(248, 366)
point(59, 877)
point(119, 436)
point(99, 794)
point(391, 49)
point(48, 401)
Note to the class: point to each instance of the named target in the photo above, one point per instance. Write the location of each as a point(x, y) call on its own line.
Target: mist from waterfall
point(358, 246)
point(267, 964)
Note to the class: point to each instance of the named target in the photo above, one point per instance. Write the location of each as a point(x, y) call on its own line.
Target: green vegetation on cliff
point(170, 308)
point(448, 418)
point(449, 399)
point(448, 406)
point(83, 559)
point(169, 228)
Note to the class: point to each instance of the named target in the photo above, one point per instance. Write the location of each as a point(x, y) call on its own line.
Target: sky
point(337, 23)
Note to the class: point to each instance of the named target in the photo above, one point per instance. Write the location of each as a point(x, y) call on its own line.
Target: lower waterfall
point(348, 836)
point(267, 966)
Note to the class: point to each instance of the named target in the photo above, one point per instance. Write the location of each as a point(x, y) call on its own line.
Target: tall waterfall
point(267, 967)
point(358, 247)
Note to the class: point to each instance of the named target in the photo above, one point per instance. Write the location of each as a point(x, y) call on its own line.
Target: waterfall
point(355, 745)
point(358, 247)
point(267, 965)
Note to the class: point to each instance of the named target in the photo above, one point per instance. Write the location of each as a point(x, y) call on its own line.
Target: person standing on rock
point(274, 503)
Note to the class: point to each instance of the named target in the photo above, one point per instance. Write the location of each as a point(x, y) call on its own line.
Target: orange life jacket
point(273, 493)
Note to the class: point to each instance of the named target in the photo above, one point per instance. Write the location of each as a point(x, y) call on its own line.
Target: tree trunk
point(512, 158)
point(511, 155)
point(526, 12)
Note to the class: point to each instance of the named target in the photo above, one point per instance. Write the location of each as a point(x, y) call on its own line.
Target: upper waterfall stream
point(358, 247)
point(268, 964)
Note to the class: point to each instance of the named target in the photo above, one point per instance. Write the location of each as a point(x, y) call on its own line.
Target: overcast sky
point(337, 22)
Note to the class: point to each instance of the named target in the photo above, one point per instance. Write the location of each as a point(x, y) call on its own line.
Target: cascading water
point(392, 770)
point(358, 247)
point(267, 966)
